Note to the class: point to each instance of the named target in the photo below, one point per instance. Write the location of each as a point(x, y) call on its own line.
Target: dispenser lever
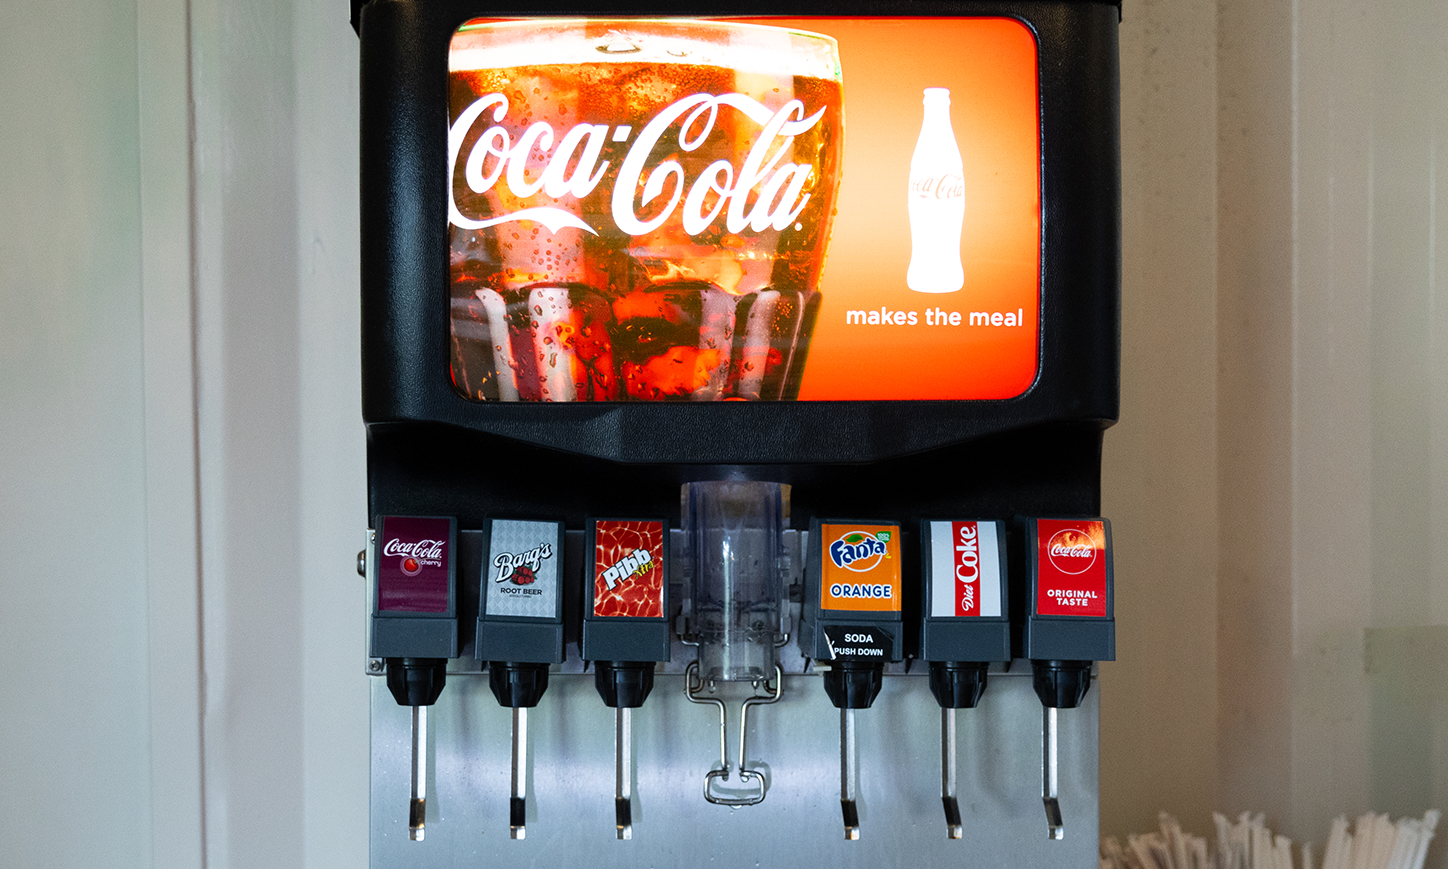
point(622, 770)
point(947, 773)
point(1050, 788)
point(518, 802)
point(417, 812)
point(848, 774)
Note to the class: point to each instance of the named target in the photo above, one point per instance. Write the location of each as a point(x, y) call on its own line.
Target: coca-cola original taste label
point(1071, 567)
point(413, 566)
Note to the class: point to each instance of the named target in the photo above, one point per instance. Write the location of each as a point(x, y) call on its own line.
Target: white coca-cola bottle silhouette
point(937, 202)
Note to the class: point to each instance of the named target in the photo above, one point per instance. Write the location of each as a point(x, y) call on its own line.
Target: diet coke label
point(763, 192)
point(413, 571)
point(1071, 567)
point(965, 573)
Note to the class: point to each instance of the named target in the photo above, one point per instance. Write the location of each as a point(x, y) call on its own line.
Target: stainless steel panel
point(571, 781)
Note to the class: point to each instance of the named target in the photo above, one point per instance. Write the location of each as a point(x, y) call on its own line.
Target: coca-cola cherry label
point(965, 574)
point(413, 564)
point(1071, 567)
point(628, 568)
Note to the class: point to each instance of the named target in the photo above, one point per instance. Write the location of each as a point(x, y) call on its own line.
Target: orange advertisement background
point(989, 65)
point(885, 572)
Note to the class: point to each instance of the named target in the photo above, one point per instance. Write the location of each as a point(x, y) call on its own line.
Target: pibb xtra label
point(860, 567)
point(1070, 567)
point(965, 573)
point(628, 568)
point(412, 571)
point(520, 577)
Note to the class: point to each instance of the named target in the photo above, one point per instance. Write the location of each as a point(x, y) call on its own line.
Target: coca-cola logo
point(522, 567)
point(644, 197)
point(947, 186)
point(1071, 551)
point(415, 554)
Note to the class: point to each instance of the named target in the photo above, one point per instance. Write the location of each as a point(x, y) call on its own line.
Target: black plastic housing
point(517, 685)
point(843, 457)
point(885, 628)
point(413, 635)
point(416, 681)
point(522, 639)
point(973, 638)
point(623, 684)
point(625, 638)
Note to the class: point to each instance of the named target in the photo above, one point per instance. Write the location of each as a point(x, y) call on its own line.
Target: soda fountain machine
point(759, 361)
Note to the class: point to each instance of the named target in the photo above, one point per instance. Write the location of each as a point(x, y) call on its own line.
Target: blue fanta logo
point(858, 552)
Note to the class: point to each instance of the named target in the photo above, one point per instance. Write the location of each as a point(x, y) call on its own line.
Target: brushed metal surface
point(571, 781)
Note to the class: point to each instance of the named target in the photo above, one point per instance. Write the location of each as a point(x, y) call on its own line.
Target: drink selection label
point(858, 642)
point(860, 567)
point(1070, 567)
point(520, 576)
point(965, 575)
point(628, 568)
point(413, 565)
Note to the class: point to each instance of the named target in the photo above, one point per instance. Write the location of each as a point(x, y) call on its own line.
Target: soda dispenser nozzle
point(414, 626)
point(624, 686)
point(520, 632)
point(1069, 626)
point(735, 532)
point(965, 625)
point(417, 682)
point(851, 625)
point(626, 631)
point(518, 686)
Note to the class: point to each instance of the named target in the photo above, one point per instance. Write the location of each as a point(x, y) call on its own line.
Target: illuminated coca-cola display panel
point(782, 210)
point(705, 210)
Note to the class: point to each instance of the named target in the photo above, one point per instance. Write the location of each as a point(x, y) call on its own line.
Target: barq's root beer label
point(860, 567)
point(1070, 567)
point(965, 569)
point(520, 577)
point(412, 572)
point(638, 210)
point(628, 568)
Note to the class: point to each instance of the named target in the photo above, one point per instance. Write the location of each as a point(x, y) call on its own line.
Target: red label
point(412, 572)
point(628, 569)
point(1070, 567)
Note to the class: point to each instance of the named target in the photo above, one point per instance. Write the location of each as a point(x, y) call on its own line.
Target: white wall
point(1289, 219)
point(75, 712)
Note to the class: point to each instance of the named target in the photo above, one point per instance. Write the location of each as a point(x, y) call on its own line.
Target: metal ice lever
point(622, 769)
point(947, 772)
point(848, 774)
point(693, 688)
point(1049, 775)
point(518, 803)
point(417, 810)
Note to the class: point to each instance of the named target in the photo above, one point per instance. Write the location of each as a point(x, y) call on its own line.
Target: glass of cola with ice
point(638, 209)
